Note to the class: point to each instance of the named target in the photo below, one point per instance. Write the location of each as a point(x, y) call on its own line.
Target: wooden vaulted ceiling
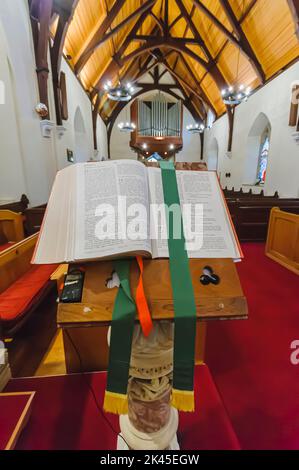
point(202, 44)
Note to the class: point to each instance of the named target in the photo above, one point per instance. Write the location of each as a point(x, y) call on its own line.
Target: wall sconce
point(42, 110)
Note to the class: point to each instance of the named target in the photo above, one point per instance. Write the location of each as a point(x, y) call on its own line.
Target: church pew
point(11, 226)
point(251, 215)
point(33, 219)
point(22, 286)
point(283, 239)
point(232, 193)
point(18, 206)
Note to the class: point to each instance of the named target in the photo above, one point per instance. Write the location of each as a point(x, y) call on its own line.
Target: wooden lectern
point(88, 322)
point(85, 326)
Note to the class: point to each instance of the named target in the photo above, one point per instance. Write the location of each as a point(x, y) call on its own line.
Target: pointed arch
point(259, 133)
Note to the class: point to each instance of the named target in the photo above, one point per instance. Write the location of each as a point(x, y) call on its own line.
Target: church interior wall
point(29, 161)
point(273, 100)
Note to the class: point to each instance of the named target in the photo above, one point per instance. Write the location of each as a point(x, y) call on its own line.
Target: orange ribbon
point(141, 303)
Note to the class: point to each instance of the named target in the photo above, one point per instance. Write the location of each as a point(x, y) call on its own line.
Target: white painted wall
point(283, 168)
point(29, 162)
point(120, 141)
point(191, 142)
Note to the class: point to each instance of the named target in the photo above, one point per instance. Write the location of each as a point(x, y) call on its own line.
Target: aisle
point(250, 360)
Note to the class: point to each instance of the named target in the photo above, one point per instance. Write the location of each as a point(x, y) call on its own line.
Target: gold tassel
point(183, 400)
point(115, 403)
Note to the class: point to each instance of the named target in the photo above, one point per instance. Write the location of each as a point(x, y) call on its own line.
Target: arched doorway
point(213, 154)
point(257, 151)
point(81, 139)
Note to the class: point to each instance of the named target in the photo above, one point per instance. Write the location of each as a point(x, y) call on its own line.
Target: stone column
point(151, 423)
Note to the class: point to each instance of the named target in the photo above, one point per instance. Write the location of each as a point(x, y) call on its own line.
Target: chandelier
point(195, 128)
point(126, 127)
point(120, 92)
point(235, 95)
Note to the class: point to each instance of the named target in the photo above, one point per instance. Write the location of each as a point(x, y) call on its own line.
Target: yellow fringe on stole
point(115, 403)
point(183, 400)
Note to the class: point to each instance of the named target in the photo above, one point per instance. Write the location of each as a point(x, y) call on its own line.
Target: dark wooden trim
point(294, 7)
point(56, 51)
point(95, 113)
point(244, 43)
point(41, 13)
point(231, 122)
point(63, 97)
point(294, 107)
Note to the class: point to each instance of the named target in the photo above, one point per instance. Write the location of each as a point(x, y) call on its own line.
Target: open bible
point(114, 209)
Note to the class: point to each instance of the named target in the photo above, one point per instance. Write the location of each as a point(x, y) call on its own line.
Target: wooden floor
point(37, 350)
point(53, 362)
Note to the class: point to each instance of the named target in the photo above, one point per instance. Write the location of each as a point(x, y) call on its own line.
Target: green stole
point(183, 300)
point(122, 327)
point(124, 314)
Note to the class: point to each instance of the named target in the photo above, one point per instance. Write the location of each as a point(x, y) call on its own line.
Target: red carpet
point(14, 411)
point(250, 360)
point(64, 416)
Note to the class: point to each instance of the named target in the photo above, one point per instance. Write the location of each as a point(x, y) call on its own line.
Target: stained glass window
point(263, 160)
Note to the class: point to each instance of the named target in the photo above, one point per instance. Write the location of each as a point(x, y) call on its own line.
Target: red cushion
point(15, 299)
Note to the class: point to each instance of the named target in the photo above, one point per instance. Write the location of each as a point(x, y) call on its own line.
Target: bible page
point(200, 196)
point(112, 210)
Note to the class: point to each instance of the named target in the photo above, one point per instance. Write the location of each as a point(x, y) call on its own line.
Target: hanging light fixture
point(195, 128)
point(126, 127)
point(234, 95)
point(120, 92)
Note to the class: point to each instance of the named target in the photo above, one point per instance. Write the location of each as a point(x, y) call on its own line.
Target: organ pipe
point(159, 117)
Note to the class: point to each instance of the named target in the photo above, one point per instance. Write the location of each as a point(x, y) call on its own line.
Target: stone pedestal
point(151, 423)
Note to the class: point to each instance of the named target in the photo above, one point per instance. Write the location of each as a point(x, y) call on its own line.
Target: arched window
point(257, 152)
point(263, 159)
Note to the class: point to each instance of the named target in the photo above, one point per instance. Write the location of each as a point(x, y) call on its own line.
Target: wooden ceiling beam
point(240, 41)
point(65, 17)
point(294, 7)
point(158, 22)
point(192, 75)
point(245, 45)
point(114, 66)
point(101, 36)
point(174, 22)
point(156, 42)
point(200, 6)
point(212, 67)
point(186, 84)
point(184, 41)
point(247, 11)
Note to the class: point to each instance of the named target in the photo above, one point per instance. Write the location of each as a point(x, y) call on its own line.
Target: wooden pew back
point(15, 261)
point(251, 215)
point(283, 239)
point(19, 206)
point(11, 226)
point(33, 219)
